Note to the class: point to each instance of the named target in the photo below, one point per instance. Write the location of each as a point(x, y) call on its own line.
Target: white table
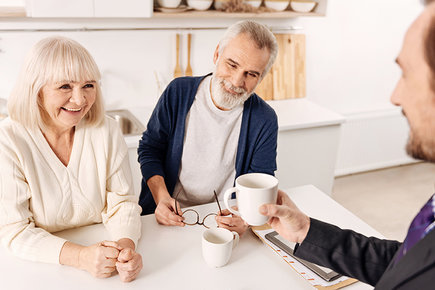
point(172, 256)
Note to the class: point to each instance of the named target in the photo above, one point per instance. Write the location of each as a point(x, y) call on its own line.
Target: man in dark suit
point(385, 264)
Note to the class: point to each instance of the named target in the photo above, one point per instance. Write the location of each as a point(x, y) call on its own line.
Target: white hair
point(259, 33)
point(53, 60)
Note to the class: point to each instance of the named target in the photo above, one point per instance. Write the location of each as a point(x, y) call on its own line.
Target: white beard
point(224, 99)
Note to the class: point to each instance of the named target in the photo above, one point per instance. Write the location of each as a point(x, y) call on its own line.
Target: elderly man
point(206, 131)
point(384, 263)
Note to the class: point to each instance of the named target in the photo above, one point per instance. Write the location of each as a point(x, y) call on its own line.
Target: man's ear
point(216, 54)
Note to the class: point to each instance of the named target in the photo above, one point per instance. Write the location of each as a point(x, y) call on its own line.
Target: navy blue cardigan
point(161, 146)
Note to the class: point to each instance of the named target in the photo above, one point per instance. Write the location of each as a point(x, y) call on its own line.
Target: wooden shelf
point(220, 14)
point(319, 10)
point(21, 12)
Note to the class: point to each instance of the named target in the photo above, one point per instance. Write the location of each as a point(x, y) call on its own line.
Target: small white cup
point(253, 190)
point(217, 245)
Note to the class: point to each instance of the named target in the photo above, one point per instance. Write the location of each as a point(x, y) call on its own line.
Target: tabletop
point(172, 256)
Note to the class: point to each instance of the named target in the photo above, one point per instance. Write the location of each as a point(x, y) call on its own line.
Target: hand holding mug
point(286, 218)
point(252, 190)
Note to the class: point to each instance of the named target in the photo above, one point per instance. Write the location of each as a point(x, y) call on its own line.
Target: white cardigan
point(39, 195)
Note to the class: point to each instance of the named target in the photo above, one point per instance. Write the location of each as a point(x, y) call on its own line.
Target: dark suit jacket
point(370, 260)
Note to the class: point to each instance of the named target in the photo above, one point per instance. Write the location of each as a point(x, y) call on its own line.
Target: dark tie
point(419, 228)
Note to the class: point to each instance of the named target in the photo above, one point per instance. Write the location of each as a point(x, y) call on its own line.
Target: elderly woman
point(65, 165)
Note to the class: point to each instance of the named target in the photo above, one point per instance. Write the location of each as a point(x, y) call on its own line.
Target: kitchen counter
point(307, 143)
point(292, 114)
point(301, 113)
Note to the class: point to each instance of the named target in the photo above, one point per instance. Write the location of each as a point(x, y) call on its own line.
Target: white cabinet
point(124, 8)
point(308, 156)
point(89, 8)
point(60, 8)
point(308, 140)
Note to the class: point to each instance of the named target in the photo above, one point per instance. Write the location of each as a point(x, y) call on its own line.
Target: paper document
point(306, 273)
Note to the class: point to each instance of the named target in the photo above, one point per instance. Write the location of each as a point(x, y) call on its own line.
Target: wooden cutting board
point(286, 79)
point(12, 12)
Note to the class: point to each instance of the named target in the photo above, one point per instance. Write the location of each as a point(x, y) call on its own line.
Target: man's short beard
point(419, 150)
point(224, 99)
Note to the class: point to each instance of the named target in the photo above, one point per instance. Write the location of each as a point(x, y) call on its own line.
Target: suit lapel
point(419, 257)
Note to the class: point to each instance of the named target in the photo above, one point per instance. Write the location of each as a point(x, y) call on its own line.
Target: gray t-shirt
point(209, 150)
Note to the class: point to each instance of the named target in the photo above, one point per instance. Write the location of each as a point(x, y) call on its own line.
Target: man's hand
point(166, 214)
point(99, 259)
point(231, 222)
point(286, 218)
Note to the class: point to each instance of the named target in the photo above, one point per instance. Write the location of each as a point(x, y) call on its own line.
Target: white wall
point(350, 55)
point(128, 61)
point(350, 52)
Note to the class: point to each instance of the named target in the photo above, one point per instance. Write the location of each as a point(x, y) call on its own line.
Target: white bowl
point(303, 7)
point(253, 3)
point(276, 5)
point(169, 3)
point(199, 4)
point(219, 3)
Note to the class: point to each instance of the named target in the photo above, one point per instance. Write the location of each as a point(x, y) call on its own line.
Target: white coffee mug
point(252, 190)
point(217, 245)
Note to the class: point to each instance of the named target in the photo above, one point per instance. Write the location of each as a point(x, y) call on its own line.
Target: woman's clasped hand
point(104, 259)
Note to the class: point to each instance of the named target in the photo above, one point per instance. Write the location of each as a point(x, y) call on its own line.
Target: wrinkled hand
point(129, 264)
point(99, 259)
point(286, 218)
point(165, 213)
point(231, 222)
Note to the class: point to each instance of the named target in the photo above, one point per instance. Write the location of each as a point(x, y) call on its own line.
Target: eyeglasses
point(191, 216)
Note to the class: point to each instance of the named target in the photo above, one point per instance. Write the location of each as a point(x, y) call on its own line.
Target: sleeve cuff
point(132, 233)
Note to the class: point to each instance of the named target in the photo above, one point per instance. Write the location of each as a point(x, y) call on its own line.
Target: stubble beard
point(223, 98)
point(418, 149)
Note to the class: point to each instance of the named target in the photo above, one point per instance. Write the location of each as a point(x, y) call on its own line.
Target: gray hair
point(53, 60)
point(259, 33)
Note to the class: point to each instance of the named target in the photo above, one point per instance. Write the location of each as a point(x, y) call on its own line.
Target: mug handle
point(227, 195)
point(236, 239)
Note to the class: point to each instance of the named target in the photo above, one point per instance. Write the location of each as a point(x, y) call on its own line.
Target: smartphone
point(288, 247)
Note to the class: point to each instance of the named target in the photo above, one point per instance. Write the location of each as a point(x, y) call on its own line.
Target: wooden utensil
point(290, 67)
point(188, 67)
point(265, 89)
point(177, 71)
